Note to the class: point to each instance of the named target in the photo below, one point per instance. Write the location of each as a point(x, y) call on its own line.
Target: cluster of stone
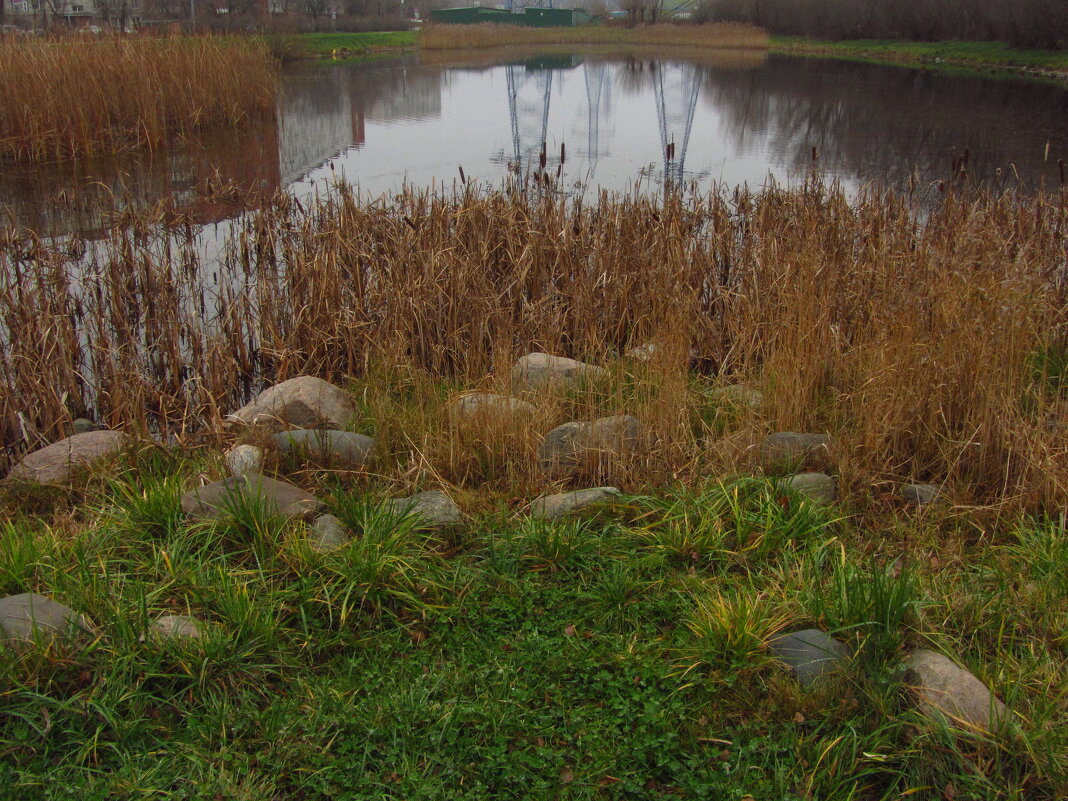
point(29, 619)
point(303, 418)
point(944, 691)
point(308, 418)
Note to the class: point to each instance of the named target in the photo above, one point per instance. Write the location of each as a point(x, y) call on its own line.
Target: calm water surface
point(610, 122)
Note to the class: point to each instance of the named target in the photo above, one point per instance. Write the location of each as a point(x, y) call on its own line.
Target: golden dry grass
point(86, 95)
point(713, 35)
point(912, 335)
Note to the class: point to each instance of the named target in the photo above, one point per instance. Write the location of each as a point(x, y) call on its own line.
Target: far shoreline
point(984, 58)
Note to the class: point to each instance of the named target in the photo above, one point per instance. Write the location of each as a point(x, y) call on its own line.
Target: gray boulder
point(55, 463)
point(620, 432)
point(342, 449)
point(817, 486)
point(29, 618)
point(487, 404)
point(809, 653)
point(82, 425)
point(922, 494)
point(950, 694)
point(175, 627)
point(566, 445)
point(244, 459)
point(213, 501)
point(561, 446)
point(551, 507)
point(328, 534)
point(538, 371)
point(430, 509)
point(791, 449)
point(302, 402)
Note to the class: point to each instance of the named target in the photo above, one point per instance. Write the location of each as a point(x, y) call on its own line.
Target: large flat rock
point(950, 694)
point(301, 402)
point(54, 463)
point(214, 501)
point(817, 486)
point(568, 444)
point(490, 405)
point(551, 507)
point(430, 509)
point(922, 494)
point(538, 371)
point(30, 617)
point(327, 534)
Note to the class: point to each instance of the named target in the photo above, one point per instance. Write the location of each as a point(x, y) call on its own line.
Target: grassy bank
point(722, 35)
point(932, 55)
point(84, 96)
point(618, 654)
point(344, 45)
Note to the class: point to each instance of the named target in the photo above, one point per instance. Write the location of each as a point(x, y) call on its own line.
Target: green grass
point(938, 55)
point(618, 654)
point(345, 45)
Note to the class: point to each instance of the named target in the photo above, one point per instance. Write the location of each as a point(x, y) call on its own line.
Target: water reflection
point(599, 119)
point(209, 180)
point(892, 124)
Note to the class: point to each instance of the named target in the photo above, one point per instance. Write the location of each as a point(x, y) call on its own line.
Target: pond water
point(596, 120)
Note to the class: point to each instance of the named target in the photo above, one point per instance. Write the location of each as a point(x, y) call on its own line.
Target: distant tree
point(315, 8)
point(638, 11)
point(241, 8)
point(115, 12)
point(598, 9)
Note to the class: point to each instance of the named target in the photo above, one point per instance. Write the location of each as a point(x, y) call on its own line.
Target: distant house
point(90, 15)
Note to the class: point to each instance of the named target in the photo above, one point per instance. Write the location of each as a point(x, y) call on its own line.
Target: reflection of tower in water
point(676, 87)
point(596, 74)
point(529, 92)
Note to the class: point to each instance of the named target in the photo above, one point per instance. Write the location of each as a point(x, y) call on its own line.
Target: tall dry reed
point(85, 95)
point(914, 335)
point(717, 35)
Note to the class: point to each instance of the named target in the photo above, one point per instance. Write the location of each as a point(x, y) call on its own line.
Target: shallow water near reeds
point(586, 121)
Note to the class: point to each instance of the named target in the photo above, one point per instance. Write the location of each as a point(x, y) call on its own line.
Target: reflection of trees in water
point(82, 195)
point(882, 123)
point(636, 76)
point(325, 109)
point(321, 112)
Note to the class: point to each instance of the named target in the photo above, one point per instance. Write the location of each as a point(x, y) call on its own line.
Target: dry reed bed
point(909, 335)
point(716, 35)
point(85, 95)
